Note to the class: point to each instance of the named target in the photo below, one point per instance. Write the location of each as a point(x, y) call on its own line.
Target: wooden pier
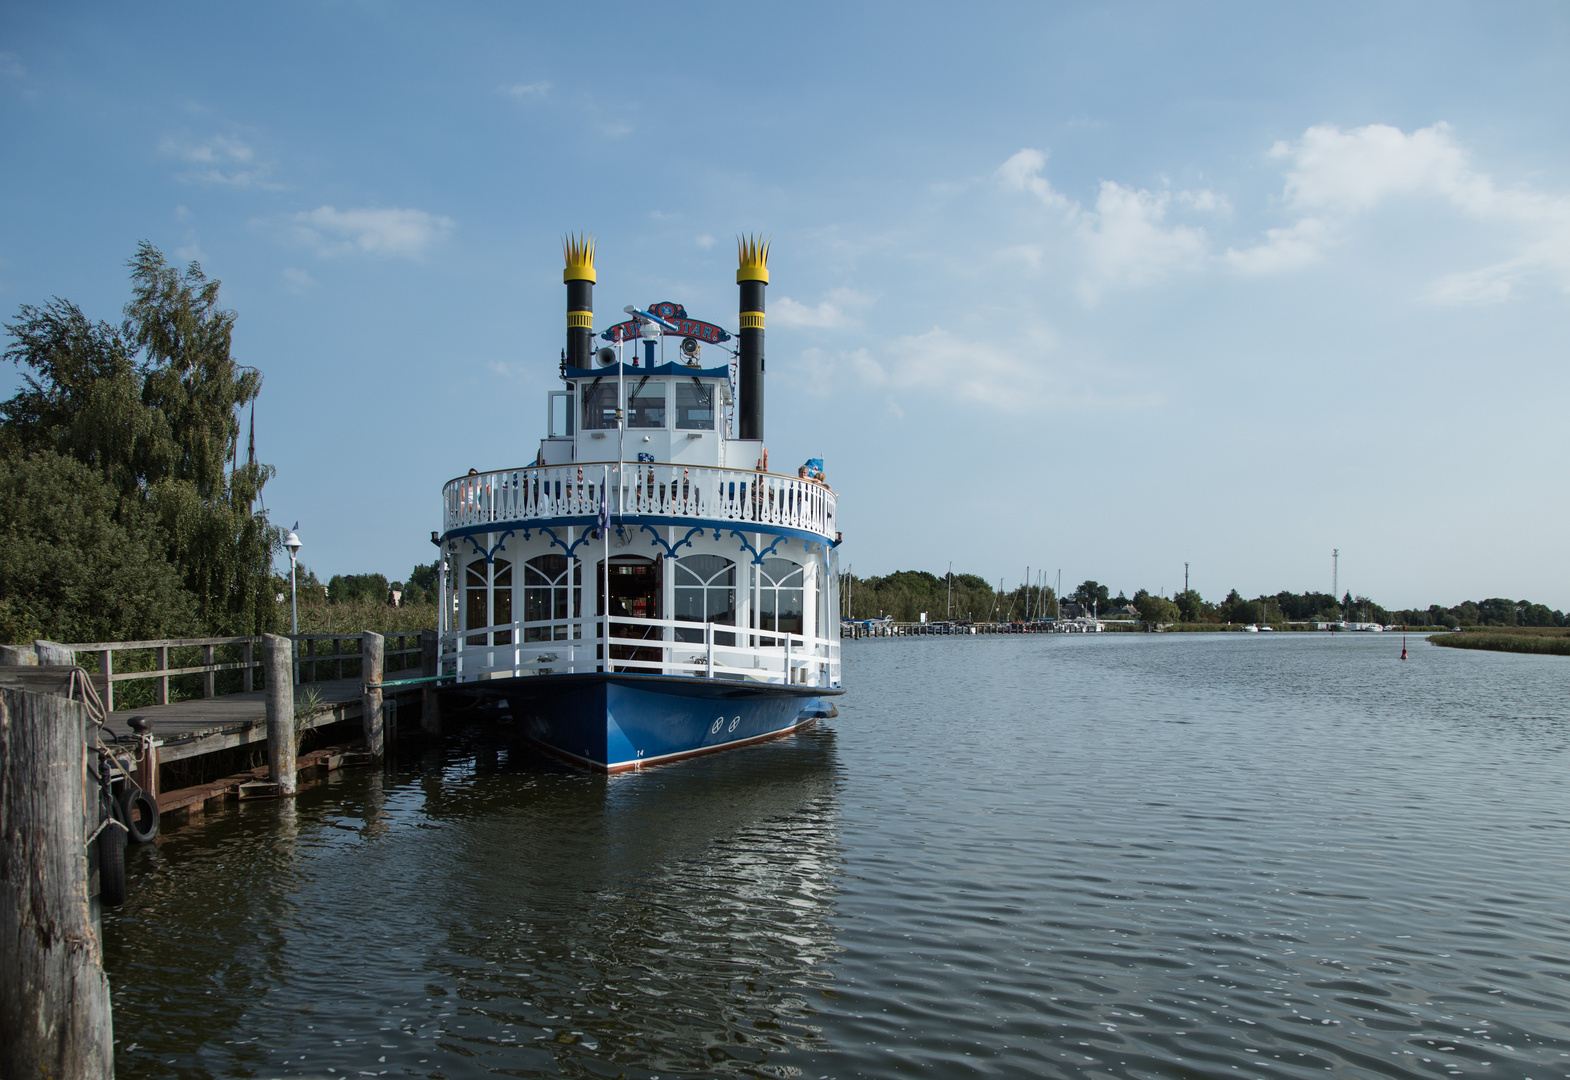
point(215, 721)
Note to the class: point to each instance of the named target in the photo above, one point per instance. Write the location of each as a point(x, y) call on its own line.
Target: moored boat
point(646, 589)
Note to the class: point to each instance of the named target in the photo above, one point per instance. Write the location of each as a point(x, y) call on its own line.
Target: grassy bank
point(1553, 640)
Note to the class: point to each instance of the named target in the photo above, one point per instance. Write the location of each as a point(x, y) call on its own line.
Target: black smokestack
point(579, 275)
point(752, 275)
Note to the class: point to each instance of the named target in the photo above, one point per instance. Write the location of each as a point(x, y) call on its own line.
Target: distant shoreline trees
point(905, 594)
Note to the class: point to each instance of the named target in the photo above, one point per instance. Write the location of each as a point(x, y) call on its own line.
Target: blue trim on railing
point(590, 521)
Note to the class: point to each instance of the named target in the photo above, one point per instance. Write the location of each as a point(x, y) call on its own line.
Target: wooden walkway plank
point(204, 725)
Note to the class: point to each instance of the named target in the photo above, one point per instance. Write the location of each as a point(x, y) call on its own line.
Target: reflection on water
point(482, 911)
point(1120, 856)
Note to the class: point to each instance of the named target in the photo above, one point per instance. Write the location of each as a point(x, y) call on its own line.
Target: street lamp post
point(292, 542)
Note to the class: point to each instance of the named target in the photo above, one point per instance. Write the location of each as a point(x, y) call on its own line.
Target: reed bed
point(1550, 640)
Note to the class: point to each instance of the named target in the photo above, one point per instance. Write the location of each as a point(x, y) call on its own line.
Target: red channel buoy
point(1403, 646)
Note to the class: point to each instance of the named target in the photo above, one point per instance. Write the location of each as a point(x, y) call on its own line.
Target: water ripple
point(1124, 856)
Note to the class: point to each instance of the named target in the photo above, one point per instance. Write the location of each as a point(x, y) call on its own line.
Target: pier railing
point(151, 660)
point(647, 646)
point(679, 491)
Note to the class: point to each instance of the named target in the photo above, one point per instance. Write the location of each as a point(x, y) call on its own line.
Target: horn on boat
point(606, 356)
point(578, 253)
point(752, 275)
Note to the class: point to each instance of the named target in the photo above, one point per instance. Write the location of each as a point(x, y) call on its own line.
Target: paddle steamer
point(646, 590)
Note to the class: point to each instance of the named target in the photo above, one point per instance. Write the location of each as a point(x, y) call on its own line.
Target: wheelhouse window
point(599, 405)
point(706, 592)
point(781, 605)
point(646, 404)
point(695, 405)
point(548, 597)
point(488, 601)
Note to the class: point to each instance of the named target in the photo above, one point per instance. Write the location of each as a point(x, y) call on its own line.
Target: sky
point(1094, 288)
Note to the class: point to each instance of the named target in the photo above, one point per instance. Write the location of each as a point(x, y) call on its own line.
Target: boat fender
point(139, 811)
point(111, 858)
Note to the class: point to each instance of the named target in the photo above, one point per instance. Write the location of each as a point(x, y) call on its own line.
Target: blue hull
point(622, 721)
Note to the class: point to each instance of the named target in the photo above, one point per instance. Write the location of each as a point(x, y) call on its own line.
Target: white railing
point(743, 496)
point(712, 650)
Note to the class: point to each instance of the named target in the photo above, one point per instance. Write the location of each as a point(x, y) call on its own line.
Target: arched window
point(488, 600)
point(781, 605)
point(547, 597)
point(706, 592)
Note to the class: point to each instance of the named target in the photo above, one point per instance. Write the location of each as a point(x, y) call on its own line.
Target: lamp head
point(292, 542)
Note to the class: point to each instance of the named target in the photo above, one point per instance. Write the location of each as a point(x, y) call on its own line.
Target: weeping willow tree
point(153, 409)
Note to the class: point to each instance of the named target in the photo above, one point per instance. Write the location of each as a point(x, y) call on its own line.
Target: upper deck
point(638, 493)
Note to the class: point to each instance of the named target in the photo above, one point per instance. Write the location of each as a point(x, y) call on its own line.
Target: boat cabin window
point(694, 405)
point(599, 405)
point(561, 414)
point(780, 597)
point(547, 597)
point(488, 603)
point(706, 592)
point(646, 403)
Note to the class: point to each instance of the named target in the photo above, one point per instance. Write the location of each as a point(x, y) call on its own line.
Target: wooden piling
point(17, 656)
point(281, 751)
point(54, 996)
point(51, 653)
point(372, 651)
point(430, 667)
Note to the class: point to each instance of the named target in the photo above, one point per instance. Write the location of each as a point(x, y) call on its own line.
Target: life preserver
point(139, 811)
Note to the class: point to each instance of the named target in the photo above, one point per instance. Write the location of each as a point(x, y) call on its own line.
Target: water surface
point(1071, 856)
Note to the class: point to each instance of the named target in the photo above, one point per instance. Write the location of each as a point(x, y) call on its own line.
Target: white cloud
point(1336, 175)
point(828, 314)
point(1023, 173)
point(1283, 249)
point(385, 232)
point(528, 91)
point(223, 159)
point(705, 241)
point(1347, 171)
point(1014, 376)
point(1125, 240)
point(297, 281)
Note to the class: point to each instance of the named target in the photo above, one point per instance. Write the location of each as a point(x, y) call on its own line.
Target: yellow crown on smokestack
point(578, 251)
point(752, 255)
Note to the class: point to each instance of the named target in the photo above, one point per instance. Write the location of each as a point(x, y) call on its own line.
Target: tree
point(1497, 611)
point(1155, 610)
point(1090, 593)
point(153, 408)
point(1234, 609)
point(357, 588)
point(1537, 615)
point(77, 566)
point(1191, 606)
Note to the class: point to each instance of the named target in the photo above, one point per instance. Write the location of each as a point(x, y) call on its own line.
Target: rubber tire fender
point(111, 858)
point(132, 800)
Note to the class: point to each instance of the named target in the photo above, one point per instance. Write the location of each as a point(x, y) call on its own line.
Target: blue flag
point(605, 511)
